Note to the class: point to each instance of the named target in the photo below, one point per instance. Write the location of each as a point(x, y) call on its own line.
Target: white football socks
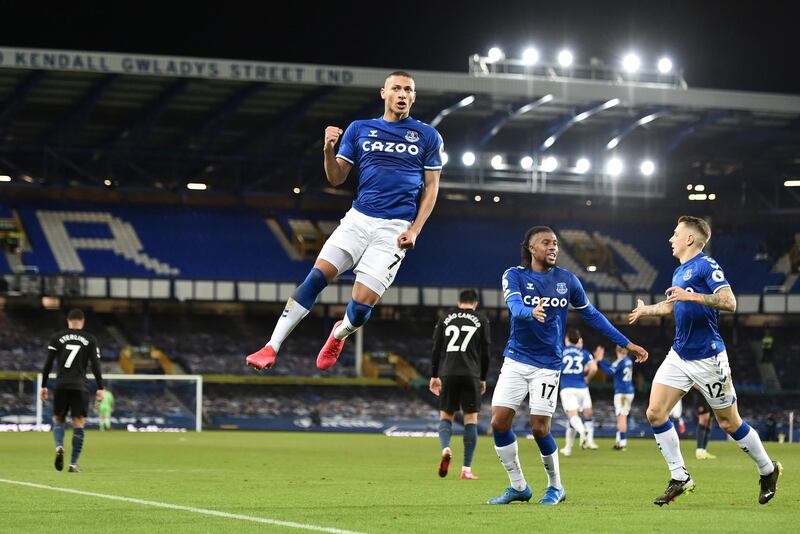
point(509, 457)
point(570, 438)
point(577, 423)
point(292, 314)
point(345, 329)
point(671, 450)
point(751, 444)
point(551, 468)
point(589, 425)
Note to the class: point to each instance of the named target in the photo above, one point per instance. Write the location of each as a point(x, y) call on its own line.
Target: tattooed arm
point(723, 299)
point(664, 307)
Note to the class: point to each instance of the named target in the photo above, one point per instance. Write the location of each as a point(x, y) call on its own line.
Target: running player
point(538, 295)
point(577, 370)
point(699, 290)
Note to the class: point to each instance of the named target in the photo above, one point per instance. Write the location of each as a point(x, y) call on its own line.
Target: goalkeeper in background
point(104, 408)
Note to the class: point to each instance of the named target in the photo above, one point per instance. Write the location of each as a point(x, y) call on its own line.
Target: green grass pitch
point(374, 483)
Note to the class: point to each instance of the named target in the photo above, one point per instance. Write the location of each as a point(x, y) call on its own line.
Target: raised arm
point(723, 299)
point(336, 169)
point(665, 307)
point(408, 238)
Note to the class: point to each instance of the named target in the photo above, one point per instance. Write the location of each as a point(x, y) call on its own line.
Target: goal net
point(142, 403)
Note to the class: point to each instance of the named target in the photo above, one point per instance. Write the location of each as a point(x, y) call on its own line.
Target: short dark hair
point(699, 225)
point(75, 315)
point(574, 335)
point(525, 253)
point(398, 73)
point(468, 296)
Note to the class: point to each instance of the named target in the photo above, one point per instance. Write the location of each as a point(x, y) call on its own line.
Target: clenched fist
point(332, 134)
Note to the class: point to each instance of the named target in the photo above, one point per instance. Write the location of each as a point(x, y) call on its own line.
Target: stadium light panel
point(549, 164)
point(28, 179)
point(698, 196)
point(712, 196)
point(565, 58)
point(549, 141)
point(466, 101)
point(495, 55)
point(591, 268)
point(648, 119)
point(296, 190)
point(5, 178)
point(791, 183)
point(699, 187)
point(497, 162)
point(665, 65)
point(631, 63)
point(526, 163)
point(582, 165)
point(196, 186)
point(614, 167)
point(612, 144)
point(689, 187)
point(647, 168)
point(107, 182)
point(496, 199)
point(445, 158)
point(477, 198)
point(468, 159)
point(530, 56)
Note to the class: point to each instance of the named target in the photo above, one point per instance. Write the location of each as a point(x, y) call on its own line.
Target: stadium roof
point(158, 122)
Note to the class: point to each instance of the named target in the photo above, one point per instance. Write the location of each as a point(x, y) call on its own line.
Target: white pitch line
point(205, 511)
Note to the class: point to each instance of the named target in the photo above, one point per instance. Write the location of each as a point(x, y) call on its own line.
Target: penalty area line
point(204, 511)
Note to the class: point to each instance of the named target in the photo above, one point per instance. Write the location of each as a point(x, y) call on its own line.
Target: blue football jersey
point(391, 158)
point(532, 342)
point(573, 362)
point(622, 371)
point(696, 326)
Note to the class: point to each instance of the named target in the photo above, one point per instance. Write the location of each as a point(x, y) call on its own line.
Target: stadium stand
point(224, 244)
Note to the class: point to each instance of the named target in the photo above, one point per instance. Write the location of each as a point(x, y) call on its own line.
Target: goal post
point(163, 385)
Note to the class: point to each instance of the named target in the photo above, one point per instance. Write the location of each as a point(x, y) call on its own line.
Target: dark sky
point(728, 45)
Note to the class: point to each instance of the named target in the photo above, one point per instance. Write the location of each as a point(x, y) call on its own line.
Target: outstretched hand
point(639, 354)
point(637, 312)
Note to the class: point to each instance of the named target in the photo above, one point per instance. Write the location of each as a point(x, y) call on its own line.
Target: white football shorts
point(623, 403)
point(518, 380)
point(575, 399)
point(712, 376)
point(371, 243)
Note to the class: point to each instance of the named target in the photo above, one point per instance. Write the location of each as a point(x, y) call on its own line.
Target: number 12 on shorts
point(715, 390)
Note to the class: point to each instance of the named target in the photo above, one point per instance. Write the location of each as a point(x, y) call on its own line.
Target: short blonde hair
point(700, 226)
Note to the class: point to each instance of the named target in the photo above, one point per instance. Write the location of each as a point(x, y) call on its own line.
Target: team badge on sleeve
point(717, 276)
